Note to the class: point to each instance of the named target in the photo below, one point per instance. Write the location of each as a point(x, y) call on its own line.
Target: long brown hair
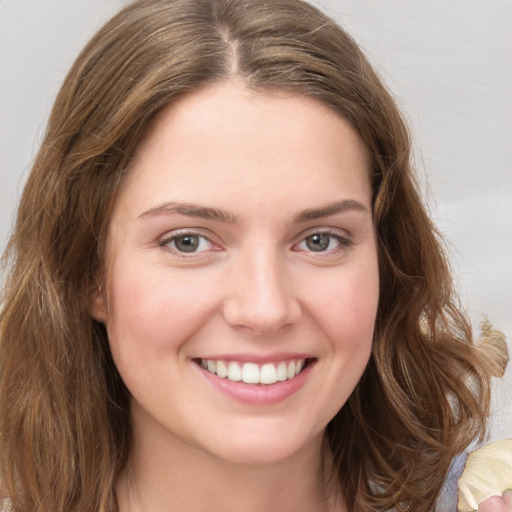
point(64, 411)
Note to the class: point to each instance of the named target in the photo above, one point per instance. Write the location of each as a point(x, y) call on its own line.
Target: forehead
point(226, 142)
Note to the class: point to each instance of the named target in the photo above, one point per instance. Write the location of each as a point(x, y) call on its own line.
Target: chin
point(264, 447)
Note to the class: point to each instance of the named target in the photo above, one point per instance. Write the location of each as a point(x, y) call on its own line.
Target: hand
point(497, 503)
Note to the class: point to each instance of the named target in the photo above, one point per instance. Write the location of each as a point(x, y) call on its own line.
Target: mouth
point(254, 373)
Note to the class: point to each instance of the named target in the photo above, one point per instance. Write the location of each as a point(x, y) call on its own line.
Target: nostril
point(261, 320)
point(260, 296)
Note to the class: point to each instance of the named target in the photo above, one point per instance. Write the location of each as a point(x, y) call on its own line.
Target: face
point(242, 281)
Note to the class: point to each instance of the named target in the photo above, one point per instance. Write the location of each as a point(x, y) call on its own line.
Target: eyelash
point(166, 243)
point(344, 242)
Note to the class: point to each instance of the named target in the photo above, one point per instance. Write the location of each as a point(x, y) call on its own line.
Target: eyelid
point(164, 241)
point(344, 238)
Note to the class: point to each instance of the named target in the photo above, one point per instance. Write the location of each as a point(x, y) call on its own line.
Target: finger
point(507, 498)
point(494, 504)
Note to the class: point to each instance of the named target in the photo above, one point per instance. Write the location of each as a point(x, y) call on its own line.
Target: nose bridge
point(260, 295)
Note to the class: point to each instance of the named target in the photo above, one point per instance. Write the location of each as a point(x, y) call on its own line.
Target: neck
point(165, 474)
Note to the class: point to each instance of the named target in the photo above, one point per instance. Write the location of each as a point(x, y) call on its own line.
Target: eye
point(187, 243)
point(323, 242)
point(318, 242)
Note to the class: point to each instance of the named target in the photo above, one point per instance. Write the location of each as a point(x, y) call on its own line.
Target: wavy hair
point(64, 411)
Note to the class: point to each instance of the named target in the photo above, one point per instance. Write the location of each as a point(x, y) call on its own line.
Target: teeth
point(222, 369)
point(252, 373)
point(234, 372)
point(291, 370)
point(268, 374)
point(282, 372)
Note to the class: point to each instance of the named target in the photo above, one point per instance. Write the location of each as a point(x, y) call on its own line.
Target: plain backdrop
point(448, 63)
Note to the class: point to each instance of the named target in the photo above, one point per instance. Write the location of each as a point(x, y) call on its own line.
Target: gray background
point(447, 62)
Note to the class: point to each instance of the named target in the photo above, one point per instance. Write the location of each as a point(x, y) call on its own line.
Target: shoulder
point(448, 498)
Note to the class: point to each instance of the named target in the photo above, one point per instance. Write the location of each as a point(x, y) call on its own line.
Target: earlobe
point(98, 305)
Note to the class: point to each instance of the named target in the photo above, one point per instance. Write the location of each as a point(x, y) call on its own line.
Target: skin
point(254, 288)
point(497, 503)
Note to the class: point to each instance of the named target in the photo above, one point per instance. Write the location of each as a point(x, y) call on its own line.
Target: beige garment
point(488, 472)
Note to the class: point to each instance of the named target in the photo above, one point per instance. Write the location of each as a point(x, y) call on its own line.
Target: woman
point(223, 286)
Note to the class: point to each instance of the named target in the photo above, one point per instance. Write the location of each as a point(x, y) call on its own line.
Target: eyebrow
point(205, 212)
point(191, 210)
point(347, 205)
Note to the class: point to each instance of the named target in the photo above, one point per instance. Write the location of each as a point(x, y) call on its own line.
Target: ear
point(98, 304)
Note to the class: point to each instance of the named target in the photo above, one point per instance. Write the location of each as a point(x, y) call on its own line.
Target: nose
point(260, 295)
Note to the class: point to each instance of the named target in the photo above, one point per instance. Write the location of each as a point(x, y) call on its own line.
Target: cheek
point(151, 309)
point(345, 306)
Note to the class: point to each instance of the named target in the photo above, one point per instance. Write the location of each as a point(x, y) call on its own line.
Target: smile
point(253, 373)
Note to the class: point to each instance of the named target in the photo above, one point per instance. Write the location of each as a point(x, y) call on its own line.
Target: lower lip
point(258, 394)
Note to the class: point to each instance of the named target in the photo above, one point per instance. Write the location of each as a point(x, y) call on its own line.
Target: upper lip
point(258, 358)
